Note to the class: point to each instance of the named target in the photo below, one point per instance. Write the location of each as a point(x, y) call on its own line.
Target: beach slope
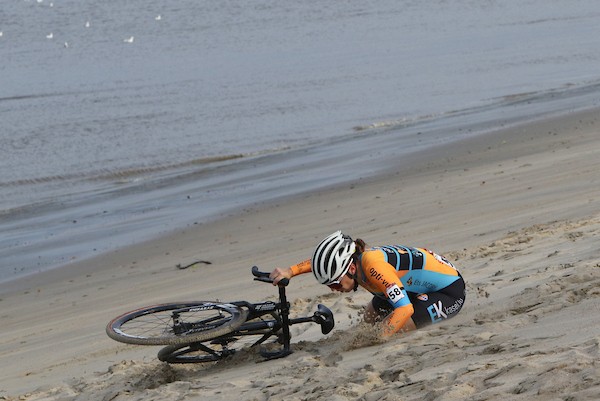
point(517, 210)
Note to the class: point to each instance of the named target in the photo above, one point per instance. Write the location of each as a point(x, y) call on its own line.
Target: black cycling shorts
point(429, 308)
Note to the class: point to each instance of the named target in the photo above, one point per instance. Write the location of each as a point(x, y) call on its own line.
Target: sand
point(517, 211)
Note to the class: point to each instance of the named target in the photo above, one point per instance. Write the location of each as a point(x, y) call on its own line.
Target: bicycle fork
point(285, 323)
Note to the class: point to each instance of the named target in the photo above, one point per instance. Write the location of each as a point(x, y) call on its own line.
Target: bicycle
point(208, 331)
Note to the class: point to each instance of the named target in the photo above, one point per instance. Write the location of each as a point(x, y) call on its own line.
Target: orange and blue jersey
point(418, 269)
point(394, 272)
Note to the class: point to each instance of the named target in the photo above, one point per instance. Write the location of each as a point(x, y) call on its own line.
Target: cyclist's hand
point(278, 274)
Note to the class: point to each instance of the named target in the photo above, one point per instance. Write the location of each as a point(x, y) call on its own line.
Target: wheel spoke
point(176, 323)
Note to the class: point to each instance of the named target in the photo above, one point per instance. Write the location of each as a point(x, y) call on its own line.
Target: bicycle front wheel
point(176, 323)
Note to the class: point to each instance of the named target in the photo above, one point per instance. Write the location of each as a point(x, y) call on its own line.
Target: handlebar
point(264, 277)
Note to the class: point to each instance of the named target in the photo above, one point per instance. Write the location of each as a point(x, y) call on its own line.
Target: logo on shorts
point(422, 297)
point(436, 312)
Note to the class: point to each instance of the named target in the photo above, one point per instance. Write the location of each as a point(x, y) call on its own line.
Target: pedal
point(324, 317)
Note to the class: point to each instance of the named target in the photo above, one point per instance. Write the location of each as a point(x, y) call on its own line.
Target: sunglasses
point(337, 284)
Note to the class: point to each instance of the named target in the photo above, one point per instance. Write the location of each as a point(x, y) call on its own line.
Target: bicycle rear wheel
point(211, 350)
point(176, 323)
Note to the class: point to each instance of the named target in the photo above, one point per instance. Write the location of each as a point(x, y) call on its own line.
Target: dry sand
point(518, 211)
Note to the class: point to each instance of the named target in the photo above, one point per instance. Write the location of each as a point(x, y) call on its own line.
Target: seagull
point(128, 40)
point(66, 45)
point(158, 17)
point(1, 34)
point(87, 24)
point(50, 35)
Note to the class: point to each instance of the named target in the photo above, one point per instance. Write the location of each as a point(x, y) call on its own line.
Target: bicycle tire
point(212, 350)
point(153, 325)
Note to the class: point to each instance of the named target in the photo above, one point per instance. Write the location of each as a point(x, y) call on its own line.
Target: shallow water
point(213, 106)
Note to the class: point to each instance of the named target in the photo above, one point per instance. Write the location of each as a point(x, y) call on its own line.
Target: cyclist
point(411, 287)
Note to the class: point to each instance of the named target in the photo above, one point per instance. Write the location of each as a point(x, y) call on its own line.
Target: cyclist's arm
point(403, 308)
point(382, 276)
point(394, 322)
point(300, 268)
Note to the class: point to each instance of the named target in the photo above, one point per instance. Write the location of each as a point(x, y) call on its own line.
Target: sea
point(124, 121)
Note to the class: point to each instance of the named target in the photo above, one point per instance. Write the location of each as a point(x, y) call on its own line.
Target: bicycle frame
point(280, 312)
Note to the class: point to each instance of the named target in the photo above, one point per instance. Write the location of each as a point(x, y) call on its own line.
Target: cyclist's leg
point(437, 306)
point(370, 314)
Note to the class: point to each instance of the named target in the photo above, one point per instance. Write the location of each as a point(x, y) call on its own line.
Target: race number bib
point(394, 294)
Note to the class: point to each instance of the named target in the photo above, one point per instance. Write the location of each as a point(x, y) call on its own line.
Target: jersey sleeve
point(397, 319)
point(301, 268)
point(382, 278)
point(403, 308)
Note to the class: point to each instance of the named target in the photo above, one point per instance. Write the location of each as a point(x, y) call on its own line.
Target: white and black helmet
point(332, 258)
